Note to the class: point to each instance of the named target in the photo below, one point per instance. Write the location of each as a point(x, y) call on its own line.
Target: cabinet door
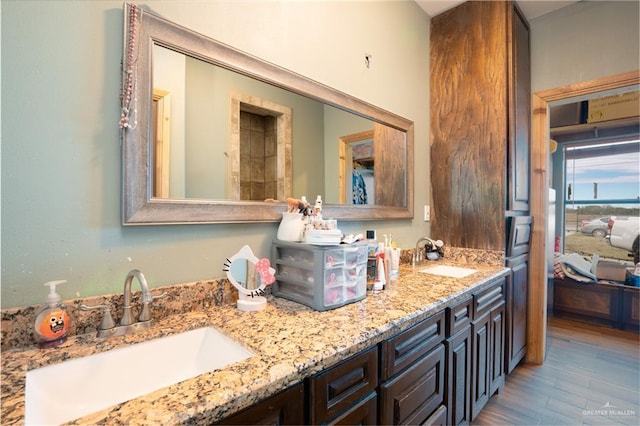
point(459, 377)
point(497, 333)
point(517, 289)
point(285, 408)
point(480, 363)
point(519, 113)
point(414, 395)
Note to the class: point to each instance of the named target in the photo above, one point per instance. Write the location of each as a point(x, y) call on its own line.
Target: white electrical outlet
point(427, 213)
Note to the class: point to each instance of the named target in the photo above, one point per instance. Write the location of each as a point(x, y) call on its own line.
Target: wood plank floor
point(591, 376)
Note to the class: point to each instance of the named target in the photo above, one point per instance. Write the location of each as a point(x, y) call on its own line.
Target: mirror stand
point(250, 276)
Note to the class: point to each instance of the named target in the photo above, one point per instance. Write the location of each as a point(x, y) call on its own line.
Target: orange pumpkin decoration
point(54, 325)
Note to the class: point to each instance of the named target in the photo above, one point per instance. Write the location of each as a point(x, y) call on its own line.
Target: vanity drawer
point(486, 299)
point(459, 316)
point(338, 389)
point(402, 350)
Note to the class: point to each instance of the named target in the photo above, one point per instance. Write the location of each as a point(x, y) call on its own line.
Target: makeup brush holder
point(291, 227)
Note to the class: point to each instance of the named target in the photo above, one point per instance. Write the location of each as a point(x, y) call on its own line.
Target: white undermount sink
point(63, 392)
point(448, 271)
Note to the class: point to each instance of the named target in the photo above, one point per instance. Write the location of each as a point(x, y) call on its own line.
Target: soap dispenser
point(52, 320)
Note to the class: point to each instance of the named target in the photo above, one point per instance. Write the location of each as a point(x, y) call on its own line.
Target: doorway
point(537, 316)
point(356, 159)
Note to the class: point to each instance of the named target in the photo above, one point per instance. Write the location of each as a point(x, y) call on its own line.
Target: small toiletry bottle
point(395, 261)
point(52, 320)
point(380, 281)
point(372, 243)
point(387, 265)
point(317, 208)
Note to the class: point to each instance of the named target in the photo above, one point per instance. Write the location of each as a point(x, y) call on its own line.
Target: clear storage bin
point(321, 277)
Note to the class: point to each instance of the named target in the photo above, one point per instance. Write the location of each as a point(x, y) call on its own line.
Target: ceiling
point(530, 8)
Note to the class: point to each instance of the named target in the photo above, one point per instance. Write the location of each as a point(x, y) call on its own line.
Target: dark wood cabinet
point(439, 371)
point(480, 363)
point(519, 139)
point(497, 324)
point(414, 395)
point(285, 408)
point(413, 365)
point(458, 348)
point(487, 345)
point(516, 311)
point(336, 392)
point(402, 350)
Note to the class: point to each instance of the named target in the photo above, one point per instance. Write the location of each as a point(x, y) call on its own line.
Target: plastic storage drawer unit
point(321, 277)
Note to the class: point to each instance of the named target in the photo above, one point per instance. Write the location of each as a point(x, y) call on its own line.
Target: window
point(602, 179)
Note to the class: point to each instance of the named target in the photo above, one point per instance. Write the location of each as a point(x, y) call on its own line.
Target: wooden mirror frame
point(140, 207)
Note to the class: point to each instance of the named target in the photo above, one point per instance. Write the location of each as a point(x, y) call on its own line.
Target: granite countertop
point(290, 341)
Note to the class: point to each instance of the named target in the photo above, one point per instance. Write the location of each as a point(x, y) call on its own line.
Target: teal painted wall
point(61, 158)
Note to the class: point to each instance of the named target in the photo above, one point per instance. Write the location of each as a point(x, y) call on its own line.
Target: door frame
point(537, 313)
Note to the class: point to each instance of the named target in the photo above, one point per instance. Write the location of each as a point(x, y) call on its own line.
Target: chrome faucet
point(417, 256)
point(146, 298)
point(433, 250)
point(127, 325)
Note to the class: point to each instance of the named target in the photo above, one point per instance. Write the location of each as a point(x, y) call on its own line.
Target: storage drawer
point(459, 316)
point(347, 256)
point(414, 395)
point(486, 299)
point(321, 277)
point(336, 390)
point(400, 351)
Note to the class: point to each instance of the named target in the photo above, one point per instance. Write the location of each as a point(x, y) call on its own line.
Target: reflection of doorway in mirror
point(356, 154)
point(260, 149)
point(161, 128)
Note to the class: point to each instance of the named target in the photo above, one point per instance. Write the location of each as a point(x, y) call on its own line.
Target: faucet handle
point(145, 313)
point(160, 296)
point(107, 322)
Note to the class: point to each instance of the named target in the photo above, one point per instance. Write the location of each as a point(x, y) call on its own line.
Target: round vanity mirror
point(250, 276)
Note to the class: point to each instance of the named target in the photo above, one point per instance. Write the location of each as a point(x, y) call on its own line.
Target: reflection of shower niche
point(260, 153)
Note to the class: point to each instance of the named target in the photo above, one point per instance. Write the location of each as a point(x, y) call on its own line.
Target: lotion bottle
point(52, 320)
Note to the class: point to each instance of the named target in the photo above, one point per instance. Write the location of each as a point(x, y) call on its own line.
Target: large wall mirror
point(212, 134)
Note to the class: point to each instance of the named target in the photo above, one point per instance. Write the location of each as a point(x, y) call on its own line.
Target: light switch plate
point(427, 213)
